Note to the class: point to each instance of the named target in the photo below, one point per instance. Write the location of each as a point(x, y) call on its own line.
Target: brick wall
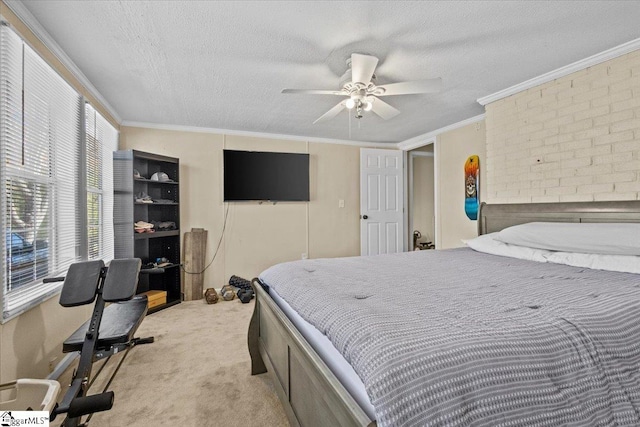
point(576, 138)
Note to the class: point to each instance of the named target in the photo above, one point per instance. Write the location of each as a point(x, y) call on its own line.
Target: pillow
point(591, 238)
point(622, 263)
point(489, 245)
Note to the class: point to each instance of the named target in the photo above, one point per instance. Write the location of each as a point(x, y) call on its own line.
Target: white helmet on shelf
point(160, 177)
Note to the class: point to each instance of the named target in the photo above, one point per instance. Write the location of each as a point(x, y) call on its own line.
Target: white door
point(381, 201)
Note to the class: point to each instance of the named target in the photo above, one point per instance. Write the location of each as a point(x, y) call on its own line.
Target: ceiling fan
point(362, 92)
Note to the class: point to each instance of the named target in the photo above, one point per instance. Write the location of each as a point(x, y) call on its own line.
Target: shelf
point(155, 182)
point(162, 243)
point(163, 306)
point(156, 234)
point(156, 204)
point(158, 270)
point(154, 157)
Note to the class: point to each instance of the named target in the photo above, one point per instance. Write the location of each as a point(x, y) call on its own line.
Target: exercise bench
point(110, 329)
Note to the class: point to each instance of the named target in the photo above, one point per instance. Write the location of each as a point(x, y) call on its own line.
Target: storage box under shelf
point(156, 298)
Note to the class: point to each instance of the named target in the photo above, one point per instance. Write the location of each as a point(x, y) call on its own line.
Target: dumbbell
point(227, 293)
point(245, 295)
point(211, 296)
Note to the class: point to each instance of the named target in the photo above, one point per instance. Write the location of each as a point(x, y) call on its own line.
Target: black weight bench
point(109, 331)
point(120, 321)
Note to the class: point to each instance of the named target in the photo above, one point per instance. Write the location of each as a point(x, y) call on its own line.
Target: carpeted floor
point(196, 373)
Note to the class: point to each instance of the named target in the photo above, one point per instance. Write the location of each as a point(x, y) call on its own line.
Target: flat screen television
point(257, 175)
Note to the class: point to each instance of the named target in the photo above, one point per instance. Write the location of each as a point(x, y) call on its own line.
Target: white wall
point(260, 235)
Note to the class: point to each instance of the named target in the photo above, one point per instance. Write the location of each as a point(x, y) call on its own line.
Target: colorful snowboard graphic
point(471, 177)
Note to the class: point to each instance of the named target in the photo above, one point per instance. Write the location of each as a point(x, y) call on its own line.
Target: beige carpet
point(196, 373)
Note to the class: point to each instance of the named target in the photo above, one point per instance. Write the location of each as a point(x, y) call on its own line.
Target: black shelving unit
point(148, 246)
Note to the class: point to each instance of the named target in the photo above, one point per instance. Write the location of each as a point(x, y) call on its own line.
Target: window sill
point(20, 309)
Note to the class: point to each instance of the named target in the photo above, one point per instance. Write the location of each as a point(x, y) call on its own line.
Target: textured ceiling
point(221, 64)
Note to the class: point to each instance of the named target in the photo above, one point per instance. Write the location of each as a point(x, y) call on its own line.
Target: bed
point(317, 390)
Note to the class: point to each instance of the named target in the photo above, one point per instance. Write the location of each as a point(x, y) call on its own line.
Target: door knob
point(365, 217)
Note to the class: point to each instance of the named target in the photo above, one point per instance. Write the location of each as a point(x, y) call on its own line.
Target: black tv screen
point(257, 175)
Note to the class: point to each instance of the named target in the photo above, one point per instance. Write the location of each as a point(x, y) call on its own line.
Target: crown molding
point(598, 58)
point(298, 138)
point(430, 137)
point(20, 10)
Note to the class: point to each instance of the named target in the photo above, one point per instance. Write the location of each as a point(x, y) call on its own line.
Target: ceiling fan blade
point(383, 109)
point(362, 67)
point(408, 88)
point(313, 91)
point(331, 113)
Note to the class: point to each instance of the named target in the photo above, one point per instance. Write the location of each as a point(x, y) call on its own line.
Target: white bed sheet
point(329, 354)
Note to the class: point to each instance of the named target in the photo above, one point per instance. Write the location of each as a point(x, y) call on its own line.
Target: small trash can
point(29, 395)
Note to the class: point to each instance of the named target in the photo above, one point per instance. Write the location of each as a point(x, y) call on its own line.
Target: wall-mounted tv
point(257, 175)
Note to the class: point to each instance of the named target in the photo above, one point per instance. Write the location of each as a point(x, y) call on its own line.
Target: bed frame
point(310, 393)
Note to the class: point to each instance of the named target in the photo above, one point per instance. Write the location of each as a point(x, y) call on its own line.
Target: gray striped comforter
point(460, 338)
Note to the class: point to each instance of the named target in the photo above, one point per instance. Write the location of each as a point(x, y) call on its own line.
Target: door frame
point(411, 155)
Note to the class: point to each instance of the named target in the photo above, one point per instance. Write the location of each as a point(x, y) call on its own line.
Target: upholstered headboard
point(496, 217)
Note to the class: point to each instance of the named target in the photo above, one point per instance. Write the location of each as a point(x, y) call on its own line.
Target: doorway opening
point(422, 198)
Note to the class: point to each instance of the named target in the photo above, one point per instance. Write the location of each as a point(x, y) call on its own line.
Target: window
point(42, 173)
point(101, 140)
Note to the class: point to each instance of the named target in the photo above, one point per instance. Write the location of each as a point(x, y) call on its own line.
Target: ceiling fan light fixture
point(350, 103)
point(358, 85)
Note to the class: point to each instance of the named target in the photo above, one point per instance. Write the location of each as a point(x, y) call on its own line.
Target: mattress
point(462, 338)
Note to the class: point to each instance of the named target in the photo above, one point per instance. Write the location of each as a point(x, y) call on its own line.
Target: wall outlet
point(304, 255)
point(341, 203)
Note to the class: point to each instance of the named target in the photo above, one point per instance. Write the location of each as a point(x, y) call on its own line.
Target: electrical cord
point(224, 227)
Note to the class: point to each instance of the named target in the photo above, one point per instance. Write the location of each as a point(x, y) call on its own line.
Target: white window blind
point(40, 136)
point(101, 141)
